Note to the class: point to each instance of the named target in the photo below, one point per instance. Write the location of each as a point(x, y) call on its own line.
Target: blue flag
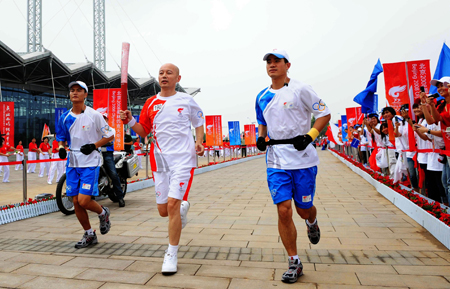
point(366, 98)
point(355, 143)
point(58, 112)
point(344, 127)
point(442, 67)
point(374, 109)
point(234, 133)
point(136, 117)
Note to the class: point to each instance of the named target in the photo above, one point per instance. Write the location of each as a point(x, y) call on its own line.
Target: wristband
point(313, 133)
point(132, 122)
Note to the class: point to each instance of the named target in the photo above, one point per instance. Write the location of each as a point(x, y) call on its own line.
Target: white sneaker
point(184, 208)
point(6, 181)
point(49, 183)
point(169, 265)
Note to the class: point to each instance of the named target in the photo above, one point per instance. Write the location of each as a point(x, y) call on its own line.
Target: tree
point(323, 132)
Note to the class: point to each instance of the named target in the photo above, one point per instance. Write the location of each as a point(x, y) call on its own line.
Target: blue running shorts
point(297, 184)
point(82, 181)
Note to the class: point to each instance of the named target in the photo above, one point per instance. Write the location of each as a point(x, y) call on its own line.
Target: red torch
point(124, 76)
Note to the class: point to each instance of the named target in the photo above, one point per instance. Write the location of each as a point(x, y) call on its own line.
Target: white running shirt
point(169, 119)
point(287, 113)
point(80, 129)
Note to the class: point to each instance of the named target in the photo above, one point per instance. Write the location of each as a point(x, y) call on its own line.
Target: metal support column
point(24, 181)
point(34, 26)
point(99, 35)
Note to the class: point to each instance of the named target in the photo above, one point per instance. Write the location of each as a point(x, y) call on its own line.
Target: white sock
point(90, 232)
point(102, 213)
point(293, 257)
point(172, 250)
point(313, 223)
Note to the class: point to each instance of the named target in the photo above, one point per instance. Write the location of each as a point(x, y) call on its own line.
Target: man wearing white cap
point(85, 130)
point(283, 111)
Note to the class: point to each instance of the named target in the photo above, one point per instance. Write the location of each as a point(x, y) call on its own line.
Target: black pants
point(433, 184)
point(244, 152)
point(363, 157)
point(110, 167)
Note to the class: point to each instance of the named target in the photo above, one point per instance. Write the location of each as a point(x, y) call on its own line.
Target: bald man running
point(168, 116)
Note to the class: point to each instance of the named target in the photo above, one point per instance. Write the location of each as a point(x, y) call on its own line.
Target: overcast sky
point(219, 45)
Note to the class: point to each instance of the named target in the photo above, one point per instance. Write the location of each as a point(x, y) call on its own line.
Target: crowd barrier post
point(214, 155)
point(224, 154)
point(146, 164)
point(24, 182)
point(388, 161)
point(367, 154)
point(207, 156)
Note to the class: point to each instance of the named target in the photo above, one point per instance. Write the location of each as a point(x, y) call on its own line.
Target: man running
point(169, 115)
point(283, 111)
point(85, 130)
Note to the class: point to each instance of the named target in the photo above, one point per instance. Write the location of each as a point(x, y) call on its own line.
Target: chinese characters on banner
point(7, 121)
point(250, 135)
point(213, 130)
point(418, 75)
point(110, 101)
point(397, 77)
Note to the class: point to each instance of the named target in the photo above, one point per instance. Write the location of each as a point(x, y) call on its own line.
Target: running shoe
point(313, 233)
point(184, 208)
point(86, 241)
point(169, 266)
point(105, 224)
point(295, 270)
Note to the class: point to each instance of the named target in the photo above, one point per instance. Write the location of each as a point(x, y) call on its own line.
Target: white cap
point(280, 53)
point(80, 83)
point(444, 80)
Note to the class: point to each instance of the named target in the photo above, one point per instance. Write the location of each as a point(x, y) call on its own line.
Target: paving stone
point(10, 280)
point(118, 276)
point(183, 281)
point(40, 259)
point(49, 270)
point(235, 272)
point(58, 283)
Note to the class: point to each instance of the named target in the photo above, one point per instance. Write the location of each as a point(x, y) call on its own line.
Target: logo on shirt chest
point(288, 105)
point(180, 110)
point(86, 127)
point(157, 107)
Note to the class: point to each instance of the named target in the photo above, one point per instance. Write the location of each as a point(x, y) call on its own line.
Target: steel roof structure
point(40, 72)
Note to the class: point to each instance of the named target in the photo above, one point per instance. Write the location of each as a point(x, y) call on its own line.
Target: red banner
point(213, 130)
point(249, 134)
point(7, 122)
point(418, 75)
point(352, 115)
point(110, 101)
point(396, 82)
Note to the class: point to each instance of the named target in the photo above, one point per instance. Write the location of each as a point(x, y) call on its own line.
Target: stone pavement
point(12, 192)
point(231, 240)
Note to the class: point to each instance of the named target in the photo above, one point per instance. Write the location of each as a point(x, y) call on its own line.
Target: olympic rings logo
point(320, 106)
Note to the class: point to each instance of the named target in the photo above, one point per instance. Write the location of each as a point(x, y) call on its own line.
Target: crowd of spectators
point(410, 146)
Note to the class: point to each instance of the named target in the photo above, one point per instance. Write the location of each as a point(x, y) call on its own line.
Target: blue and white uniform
point(287, 113)
point(78, 130)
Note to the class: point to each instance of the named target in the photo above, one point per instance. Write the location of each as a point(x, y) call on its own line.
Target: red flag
point(396, 84)
point(213, 130)
point(351, 116)
point(45, 131)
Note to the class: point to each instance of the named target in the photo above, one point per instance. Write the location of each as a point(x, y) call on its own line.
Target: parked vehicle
point(126, 167)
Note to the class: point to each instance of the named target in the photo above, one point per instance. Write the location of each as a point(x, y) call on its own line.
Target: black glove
point(261, 144)
point(87, 148)
point(302, 141)
point(62, 153)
